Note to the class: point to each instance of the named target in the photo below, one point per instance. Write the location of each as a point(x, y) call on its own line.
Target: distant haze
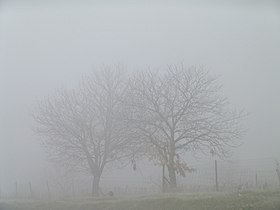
point(46, 46)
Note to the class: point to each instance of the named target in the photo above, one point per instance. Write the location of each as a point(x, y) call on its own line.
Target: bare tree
point(84, 128)
point(179, 111)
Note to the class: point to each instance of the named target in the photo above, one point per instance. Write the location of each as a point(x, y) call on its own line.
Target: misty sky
point(48, 46)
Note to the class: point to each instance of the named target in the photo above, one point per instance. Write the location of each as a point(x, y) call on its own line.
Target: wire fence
point(234, 175)
point(230, 176)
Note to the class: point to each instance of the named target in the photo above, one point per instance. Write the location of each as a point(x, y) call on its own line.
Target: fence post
point(163, 178)
point(256, 180)
point(30, 190)
point(16, 190)
point(216, 175)
point(278, 173)
point(48, 188)
point(73, 188)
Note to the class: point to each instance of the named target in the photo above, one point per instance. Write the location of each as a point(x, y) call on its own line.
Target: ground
point(217, 201)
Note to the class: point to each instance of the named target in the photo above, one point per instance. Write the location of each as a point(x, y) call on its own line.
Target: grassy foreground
point(243, 201)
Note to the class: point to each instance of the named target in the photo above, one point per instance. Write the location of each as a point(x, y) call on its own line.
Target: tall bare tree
point(182, 110)
point(84, 128)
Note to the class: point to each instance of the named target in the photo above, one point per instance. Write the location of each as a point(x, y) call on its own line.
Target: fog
point(47, 46)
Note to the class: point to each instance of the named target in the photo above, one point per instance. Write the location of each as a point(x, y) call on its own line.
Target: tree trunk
point(172, 178)
point(171, 165)
point(95, 186)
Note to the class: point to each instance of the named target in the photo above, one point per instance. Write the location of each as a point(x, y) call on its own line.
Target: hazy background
point(45, 46)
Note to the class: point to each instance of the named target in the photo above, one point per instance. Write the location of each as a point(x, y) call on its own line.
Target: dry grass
point(243, 201)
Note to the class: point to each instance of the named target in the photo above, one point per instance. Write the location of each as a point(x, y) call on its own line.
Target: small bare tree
point(182, 110)
point(84, 128)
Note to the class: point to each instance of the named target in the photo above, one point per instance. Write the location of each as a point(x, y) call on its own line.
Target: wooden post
point(216, 175)
point(256, 180)
point(278, 174)
point(30, 190)
point(73, 188)
point(48, 188)
point(278, 171)
point(16, 190)
point(163, 178)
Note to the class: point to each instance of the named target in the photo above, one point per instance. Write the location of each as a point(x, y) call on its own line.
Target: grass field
point(241, 201)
